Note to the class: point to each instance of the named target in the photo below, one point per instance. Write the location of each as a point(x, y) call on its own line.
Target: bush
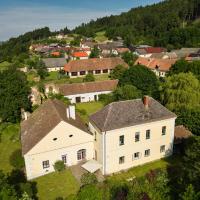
point(16, 159)
point(59, 166)
point(89, 78)
point(82, 111)
point(88, 179)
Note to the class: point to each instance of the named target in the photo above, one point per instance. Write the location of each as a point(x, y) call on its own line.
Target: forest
point(171, 23)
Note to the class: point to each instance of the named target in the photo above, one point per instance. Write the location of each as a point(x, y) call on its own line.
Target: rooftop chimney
point(146, 102)
point(71, 113)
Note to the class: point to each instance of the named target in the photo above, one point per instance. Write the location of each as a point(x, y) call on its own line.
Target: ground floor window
point(105, 71)
point(121, 160)
point(136, 155)
point(82, 72)
point(147, 153)
point(97, 71)
point(162, 148)
point(74, 73)
point(45, 164)
point(81, 154)
point(64, 158)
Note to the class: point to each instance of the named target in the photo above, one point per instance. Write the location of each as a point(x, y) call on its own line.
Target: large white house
point(131, 133)
point(54, 132)
point(121, 135)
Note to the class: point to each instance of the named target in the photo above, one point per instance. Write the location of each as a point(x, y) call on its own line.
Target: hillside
point(156, 24)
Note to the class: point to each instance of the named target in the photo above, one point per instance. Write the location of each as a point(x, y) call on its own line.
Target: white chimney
point(71, 113)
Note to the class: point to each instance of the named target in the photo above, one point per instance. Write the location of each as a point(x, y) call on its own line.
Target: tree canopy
point(142, 78)
point(14, 92)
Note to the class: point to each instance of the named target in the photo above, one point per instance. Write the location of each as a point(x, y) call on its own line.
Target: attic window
point(70, 135)
point(54, 139)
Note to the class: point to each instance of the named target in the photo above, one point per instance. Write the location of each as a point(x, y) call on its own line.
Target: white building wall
point(87, 97)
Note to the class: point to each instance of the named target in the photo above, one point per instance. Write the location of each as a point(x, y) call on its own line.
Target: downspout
point(104, 153)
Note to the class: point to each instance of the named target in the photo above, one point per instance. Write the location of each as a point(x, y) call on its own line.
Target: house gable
point(62, 136)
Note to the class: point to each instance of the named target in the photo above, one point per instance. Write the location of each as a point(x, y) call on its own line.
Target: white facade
point(54, 69)
point(87, 97)
point(108, 150)
point(63, 140)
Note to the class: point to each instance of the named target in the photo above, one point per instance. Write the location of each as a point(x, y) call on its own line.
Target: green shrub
point(88, 179)
point(59, 166)
point(89, 78)
point(16, 159)
point(82, 111)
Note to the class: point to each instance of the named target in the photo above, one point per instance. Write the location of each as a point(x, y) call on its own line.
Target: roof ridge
point(109, 109)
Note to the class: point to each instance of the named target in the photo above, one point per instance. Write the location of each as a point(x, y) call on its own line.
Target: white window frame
point(137, 133)
point(149, 152)
point(136, 158)
point(162, 149)
point(122, 161)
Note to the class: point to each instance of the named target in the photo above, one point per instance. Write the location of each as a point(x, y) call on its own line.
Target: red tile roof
point(94, 64)
point(80, 54)
point(154, 50)
point(153, 63)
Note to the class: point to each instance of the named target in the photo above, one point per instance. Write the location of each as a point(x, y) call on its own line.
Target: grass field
point(8, 144)
point(56, 185)
point(90, 108)
point(100, 36)
point(54, 77)
point(141, 170)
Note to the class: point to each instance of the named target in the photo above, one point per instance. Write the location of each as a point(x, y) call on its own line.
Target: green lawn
point(8, 144)
point(100, 36)
point(56, 185)
point(90, 108)
point(54, 77)
point(141, 170)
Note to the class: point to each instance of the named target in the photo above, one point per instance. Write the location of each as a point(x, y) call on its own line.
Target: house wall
point(87, 97)
point(48, 149)
point(112, 150)
point(53, 69)
point(159, 73)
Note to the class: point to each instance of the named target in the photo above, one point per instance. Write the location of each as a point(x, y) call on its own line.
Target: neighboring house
point(54, 132)
point(54, 64)
point(86, 92)
point(82, 92)
point(121, 50)
point(80, 55)
point(159, 66)
point(146, 52)
point(164, 55)
point(131, 133)
point(56, 53)
point(193, 57)
point(94, 66)
point(184, 52)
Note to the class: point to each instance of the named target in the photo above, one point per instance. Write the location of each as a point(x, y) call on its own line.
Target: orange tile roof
point(94, 64)
point(55, 53)
point(154, 49)
point(153, 63)
point(80, 54)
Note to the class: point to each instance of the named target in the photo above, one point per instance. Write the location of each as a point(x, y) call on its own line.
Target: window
point(164, 130)
point(74, 73)
point(82, 72)
point(81, 154)
point(105, 71)
point(148, 134)
point(45, 164)
point(64, 158)
point(95, 136)
point(54, 139)
point(70, 135)
point(162, 148)
point(136, 155)
point(147, 153)
point(121, 140)
point(121, 159)
point(137, 136)
point(97, 71)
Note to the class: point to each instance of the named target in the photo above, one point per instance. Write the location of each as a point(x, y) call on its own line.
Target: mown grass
point(141, 170)
point(9, 142)
point(57, 184)
point(100, 36)
point(89, 108)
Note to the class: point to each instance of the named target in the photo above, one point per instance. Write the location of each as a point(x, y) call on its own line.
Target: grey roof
point(54, 62)
point(129, 113)
point(43, 120)
point(181, 53)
